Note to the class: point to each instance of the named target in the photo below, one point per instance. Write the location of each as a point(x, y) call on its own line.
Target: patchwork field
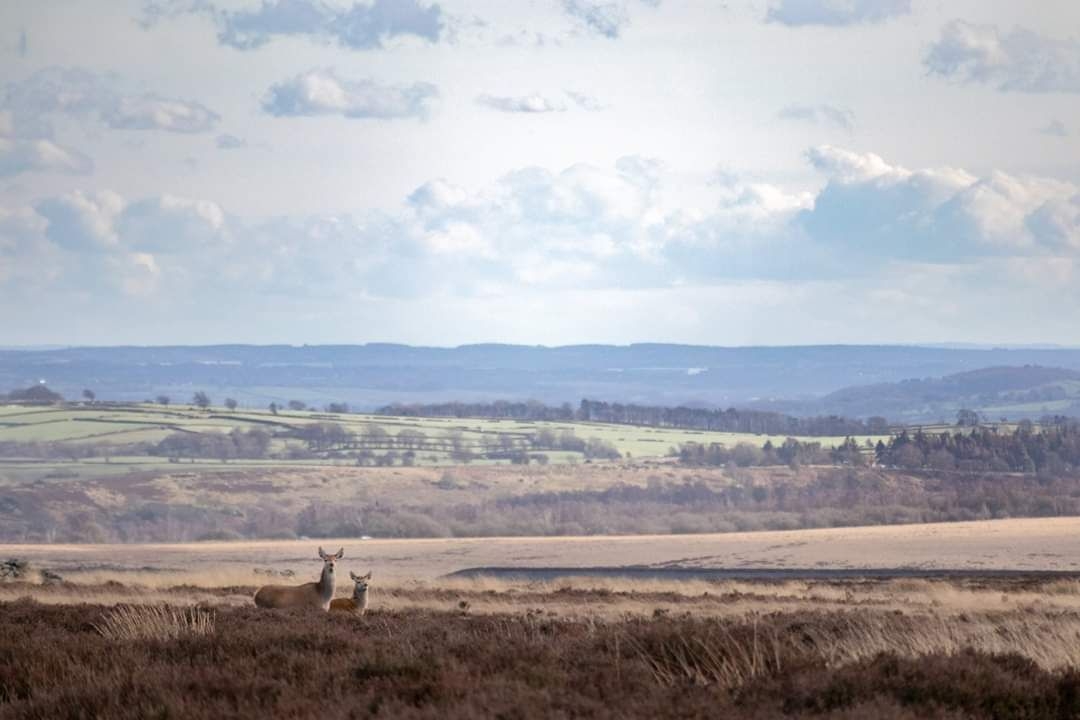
point(431, 439)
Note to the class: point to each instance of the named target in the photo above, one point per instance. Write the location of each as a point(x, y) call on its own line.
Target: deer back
point(290, 596)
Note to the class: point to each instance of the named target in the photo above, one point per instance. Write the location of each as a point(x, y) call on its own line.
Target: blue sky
point(541, 171)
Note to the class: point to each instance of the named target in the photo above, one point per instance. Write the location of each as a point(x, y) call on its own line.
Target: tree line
point(681, 417)
point(1049, 449)
point(791, 452)
point(1052, 448)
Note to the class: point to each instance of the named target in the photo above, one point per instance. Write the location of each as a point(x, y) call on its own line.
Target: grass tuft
point(155, 622)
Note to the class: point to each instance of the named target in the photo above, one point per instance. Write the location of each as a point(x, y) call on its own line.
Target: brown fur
point(358, 603)
point(309, 595)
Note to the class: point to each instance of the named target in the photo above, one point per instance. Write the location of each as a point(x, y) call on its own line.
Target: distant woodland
point(729, 420)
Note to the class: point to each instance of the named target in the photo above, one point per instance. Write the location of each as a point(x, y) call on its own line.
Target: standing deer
point(357, 604)
point(312, 595)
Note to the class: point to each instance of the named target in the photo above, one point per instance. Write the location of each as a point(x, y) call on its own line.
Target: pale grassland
point(907, 617)
point(410, 573)
point(1017, 544)
point(131, 423)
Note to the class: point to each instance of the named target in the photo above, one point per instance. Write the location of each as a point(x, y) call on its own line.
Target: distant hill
point(1029, 391)
point(790, 379)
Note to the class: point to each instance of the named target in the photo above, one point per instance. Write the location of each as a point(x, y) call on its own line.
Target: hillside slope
point(368, 376)
point(1029, 391)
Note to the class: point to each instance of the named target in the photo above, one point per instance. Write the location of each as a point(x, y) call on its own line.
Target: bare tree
point(231, 403)
point(163, 399)
point(89, 395)
point(201, 399)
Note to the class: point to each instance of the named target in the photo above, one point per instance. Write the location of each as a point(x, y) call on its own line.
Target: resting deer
point(357, 604)
point(315, 594)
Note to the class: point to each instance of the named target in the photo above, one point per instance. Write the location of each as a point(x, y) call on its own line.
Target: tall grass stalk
point(155, 622)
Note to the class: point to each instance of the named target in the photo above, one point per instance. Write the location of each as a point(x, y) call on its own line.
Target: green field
point(127, 426)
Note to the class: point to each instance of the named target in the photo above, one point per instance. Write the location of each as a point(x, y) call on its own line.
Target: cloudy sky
point(722, 172)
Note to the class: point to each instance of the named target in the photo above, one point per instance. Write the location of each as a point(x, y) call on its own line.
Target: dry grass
point(1050, 640)
point(155, 622)
point(576, 597)
point(420, 664)
point(724, 661)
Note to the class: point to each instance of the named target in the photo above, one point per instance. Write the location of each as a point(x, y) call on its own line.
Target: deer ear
point(368, 576)
point(321, 553)
point(340, 553)
point(354, 576)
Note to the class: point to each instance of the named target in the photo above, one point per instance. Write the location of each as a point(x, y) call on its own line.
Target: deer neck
point(360, 596)
point(326, 584)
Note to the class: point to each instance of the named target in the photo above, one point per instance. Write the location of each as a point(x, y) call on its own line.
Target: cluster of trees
point(730, 420)
point(253, 443)
point(1053, 448)
point(531, 410)
point(337, 408)
point(33, 395)
point(1050, 449)
point(330, 437)
point(791, 452)
point(46, 450)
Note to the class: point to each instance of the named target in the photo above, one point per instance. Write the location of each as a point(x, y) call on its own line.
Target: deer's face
point(330, 560)
point(361, 582)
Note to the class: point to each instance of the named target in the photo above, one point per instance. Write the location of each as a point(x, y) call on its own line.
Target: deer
point(358, 603)
point(309, 595)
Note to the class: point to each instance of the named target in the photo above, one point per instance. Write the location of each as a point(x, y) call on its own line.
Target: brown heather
point(430, 664)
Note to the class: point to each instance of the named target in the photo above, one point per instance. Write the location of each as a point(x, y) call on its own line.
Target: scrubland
point(589, 647)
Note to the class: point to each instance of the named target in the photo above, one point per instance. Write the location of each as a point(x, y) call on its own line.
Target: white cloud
point(588, 229)
point(1057, 223)
point(835, 12)
point(31, 103)
point(20, 156)
point(81, 221)
point(1020, 60)
point(229, 142)
point(149, 112)
point(355, 26)
point(603, 17)
point(137, 273)
point(849, 166)
point(608, 18)
point(942, 214)
point(820, 115)
point(521, 104)
point(1055, 128)
point(324, 92)
point(586, 102)
point(458, 238)
point(169, 224)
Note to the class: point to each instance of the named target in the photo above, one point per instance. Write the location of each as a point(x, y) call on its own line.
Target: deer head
point(329, 560)
point(361, 583)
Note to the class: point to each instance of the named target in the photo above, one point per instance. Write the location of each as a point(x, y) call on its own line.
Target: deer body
point(358, 603)
point(309, 595)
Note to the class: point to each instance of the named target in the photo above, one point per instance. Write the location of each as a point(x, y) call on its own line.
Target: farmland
point(121, 435)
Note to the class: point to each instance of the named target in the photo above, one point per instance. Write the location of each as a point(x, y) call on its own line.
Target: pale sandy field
point(1018, 544)
point(410, 573)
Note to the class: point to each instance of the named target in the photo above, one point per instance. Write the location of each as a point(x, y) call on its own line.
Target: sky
point(718, 172)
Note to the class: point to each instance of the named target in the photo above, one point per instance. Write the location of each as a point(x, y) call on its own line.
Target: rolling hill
point(368, 376)
point(1028, 391)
